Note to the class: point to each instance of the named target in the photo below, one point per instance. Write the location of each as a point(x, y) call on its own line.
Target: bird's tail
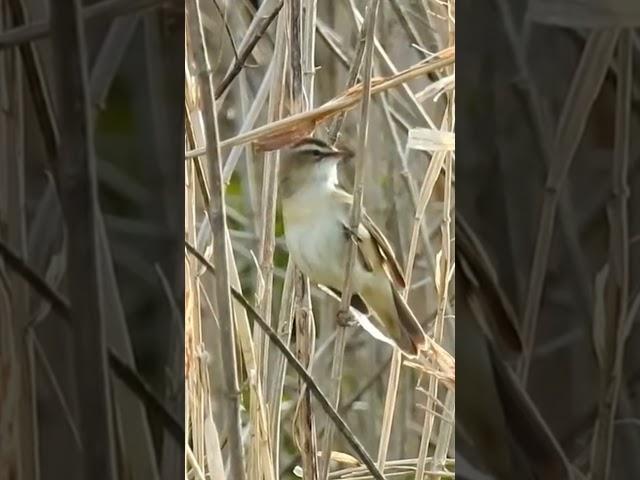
point(400, 324)
point(410, 336)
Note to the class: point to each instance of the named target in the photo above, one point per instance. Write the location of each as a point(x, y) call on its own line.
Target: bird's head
point(310, 162)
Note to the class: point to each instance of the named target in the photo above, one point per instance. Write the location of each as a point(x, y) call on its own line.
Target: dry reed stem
point(355, 214)
point(219, 230)
point(443, 441)
point(266, 246)
point(404, 88)
point(303, 68)
point(442, 271)
point(278, 373)
point(196, 371)
point(258, 408)
point(433, 171)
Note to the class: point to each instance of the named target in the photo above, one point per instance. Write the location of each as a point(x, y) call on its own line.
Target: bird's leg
point(350, 233)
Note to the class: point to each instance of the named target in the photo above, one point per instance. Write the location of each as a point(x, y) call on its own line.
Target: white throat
point(314, 195)
point(325, 176)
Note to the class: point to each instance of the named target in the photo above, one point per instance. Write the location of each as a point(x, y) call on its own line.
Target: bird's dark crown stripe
point(311, 144)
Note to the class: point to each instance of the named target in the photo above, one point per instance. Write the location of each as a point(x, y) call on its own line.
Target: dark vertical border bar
point(547, 277)
point(91, 239)
point(75, 170)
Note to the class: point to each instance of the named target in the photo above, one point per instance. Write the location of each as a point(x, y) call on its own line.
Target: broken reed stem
point(429, 182)
point(356, 213)
point(231, 398)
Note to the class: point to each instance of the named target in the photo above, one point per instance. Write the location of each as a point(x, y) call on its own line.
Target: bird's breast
point(316, 242)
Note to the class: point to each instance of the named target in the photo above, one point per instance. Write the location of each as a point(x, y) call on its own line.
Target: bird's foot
point(350, 233)
point(345, 319)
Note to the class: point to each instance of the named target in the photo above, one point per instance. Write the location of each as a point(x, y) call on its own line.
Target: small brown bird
point(316, 214)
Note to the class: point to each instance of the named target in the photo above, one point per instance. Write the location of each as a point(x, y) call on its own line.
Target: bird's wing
point(389, 261)
point(373, 248)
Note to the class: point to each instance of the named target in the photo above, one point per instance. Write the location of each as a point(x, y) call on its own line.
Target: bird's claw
point(350, 233)
point(345, 319)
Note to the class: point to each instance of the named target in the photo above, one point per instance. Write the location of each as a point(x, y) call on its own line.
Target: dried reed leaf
point(445, 84)
point(212, 443)
point(284, 138)
point(429, 140)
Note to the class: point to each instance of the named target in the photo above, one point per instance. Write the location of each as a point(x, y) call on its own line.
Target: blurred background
point(548, 109)
point(134, 63)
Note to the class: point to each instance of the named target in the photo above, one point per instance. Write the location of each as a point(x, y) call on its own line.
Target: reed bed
point(276, 388)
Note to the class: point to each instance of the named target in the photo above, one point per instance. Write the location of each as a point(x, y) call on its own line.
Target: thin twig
point(352, 78)
point(256, 30)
